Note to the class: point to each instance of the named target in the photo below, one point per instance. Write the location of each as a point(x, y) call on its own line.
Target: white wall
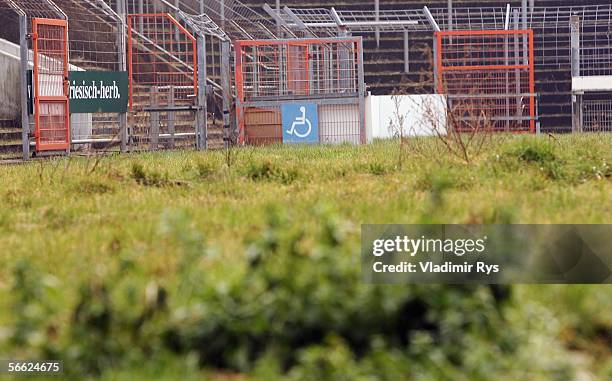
point(10, 94)
point(594, 83)
point(422, 114)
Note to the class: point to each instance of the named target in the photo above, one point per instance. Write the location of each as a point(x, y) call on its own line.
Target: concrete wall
point(10, 95)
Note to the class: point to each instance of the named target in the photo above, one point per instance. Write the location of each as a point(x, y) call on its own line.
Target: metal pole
point(362, 108)
point(171, 117)
point(406, 52)
point(450, 14)
point(436, 69)
point(24, 55)
point(255, 70)
point(507, 75)
point(121, 48)
point(436, 28)
point(517, 62)
point(524, 27)
point(222, 13)
point(278, 21)
point(377, 13)
point(202, 112)
point(141, 11)
point(577, 120)
point(154, 121)
point(177, 32)
point(226, 85)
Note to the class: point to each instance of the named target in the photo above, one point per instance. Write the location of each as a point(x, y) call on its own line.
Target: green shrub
point(269, 171)
point(92, 186)
point(150, 179)
point(206, 169)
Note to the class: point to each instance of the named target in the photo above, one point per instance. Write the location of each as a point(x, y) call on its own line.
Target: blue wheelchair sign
point(300, 123)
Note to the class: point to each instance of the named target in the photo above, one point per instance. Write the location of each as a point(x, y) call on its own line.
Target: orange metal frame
point(530, 66)
point(130, 47)
point(40, 145)
point(239, 46)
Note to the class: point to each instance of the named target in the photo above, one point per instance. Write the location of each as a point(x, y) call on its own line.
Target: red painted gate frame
point(41, 146)
point(130, 48)
point(530, 66)
point(240, 48)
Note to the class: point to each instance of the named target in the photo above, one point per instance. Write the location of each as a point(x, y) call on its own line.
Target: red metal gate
point(488, 76)
point(162, 62)
point(163, 74)
point(51, 105)
point(324, 71)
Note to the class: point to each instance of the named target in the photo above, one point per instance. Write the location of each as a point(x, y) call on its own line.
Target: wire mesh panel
point(163, 74)
point(597, 115)
point(52, 116)
point(325, 74)
point(489, 79)
point(96, 44)
point(275, 69)
point(162, 56)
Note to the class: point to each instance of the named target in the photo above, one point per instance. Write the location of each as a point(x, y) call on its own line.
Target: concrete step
point(9, 134)
point(10, 139)
point(10, 146)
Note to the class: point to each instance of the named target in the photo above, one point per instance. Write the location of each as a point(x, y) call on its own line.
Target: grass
point(76, 219)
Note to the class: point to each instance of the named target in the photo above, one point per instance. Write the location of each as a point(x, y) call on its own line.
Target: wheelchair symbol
point(301, 121)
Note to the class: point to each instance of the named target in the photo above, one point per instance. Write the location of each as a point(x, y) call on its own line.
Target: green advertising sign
point(98, 91)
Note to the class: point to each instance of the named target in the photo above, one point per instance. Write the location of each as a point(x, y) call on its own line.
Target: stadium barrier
point(488, 77)
point(300, 91)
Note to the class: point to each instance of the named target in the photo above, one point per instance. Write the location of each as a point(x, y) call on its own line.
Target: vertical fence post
point(121, 49)
point(577, 120)
point(406, 51)
point(202, 112)
point(142, 20)
point(278, 21)
point(154, 121)
point(524, 27)
point(255, 71)
point(226, 85)
point(171, 117)
point(362, 89)
point(25, 95)
point(449, 9)
point(436, 65)
point(507, 75)
point(517, 62)
point(176, 15)
point(377, 18)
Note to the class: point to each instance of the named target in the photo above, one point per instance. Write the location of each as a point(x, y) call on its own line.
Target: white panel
point(596, 83)
point(423, 115)
point(339, 124)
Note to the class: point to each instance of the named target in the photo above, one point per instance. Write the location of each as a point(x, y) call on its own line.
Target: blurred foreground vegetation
point(245, 264)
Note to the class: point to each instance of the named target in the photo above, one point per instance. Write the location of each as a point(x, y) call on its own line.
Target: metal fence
point(489, 79)
point(327, 73)
point(19, 16)
point(591, 53)
point(163, 76)
point(51, 106)
point(97, 43)
point(597, 115)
